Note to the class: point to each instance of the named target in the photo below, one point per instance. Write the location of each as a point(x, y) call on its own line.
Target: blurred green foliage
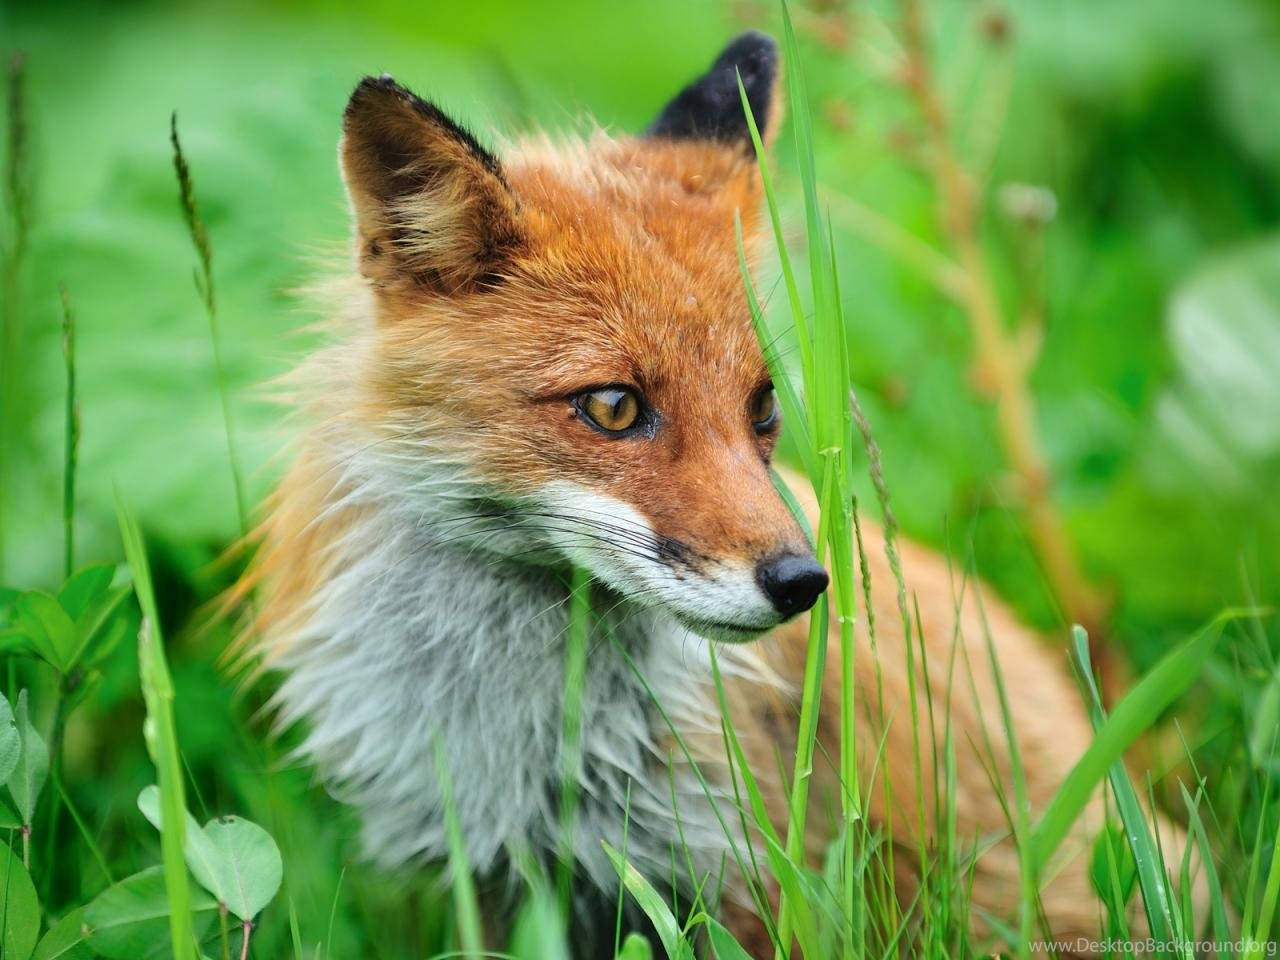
point(1153, 124)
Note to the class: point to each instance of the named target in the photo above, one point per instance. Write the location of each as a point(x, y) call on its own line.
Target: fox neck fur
point(417, 640)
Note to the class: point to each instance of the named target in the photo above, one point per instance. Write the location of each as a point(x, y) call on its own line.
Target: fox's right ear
point(431, 205)
point(710, 108)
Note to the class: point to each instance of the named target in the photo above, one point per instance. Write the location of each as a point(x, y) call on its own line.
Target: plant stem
point(71, 435)
point(17, 191)
point(204, 285)
point(814, 670)
point(160, 733)
point(247, 928)
point(88, 837)
point(67, 685)
point(1002, 366)
point(222, 931)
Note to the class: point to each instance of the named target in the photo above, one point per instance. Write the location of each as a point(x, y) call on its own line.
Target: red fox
point(548, 361)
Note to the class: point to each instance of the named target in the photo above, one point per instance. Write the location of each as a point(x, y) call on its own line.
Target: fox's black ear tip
point(753, 52)
point(710, 108)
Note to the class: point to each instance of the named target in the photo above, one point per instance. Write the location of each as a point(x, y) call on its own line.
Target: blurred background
point(1070, 207)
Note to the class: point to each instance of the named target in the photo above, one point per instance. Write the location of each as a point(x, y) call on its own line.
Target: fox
point(545, 362)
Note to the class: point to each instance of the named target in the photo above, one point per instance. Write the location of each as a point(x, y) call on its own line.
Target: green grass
point(1168, 500)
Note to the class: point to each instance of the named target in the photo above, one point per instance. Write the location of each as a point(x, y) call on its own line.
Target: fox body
point(548, 361)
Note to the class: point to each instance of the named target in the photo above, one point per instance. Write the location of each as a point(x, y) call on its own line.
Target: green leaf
point(232, 858)
point(199, 853)
point(723, 943)
point(1112, 870)
point(27, 777)
point(654, 907)
point(51, 631)
point(103, 624)
point(10, 741)
point(1131, 718)
point(250, 869)
point(83, 587)
point(635, 947)
point(130, 920)
point(21, 908)
point(65, 939)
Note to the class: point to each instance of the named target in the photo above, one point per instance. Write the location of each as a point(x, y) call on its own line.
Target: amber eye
point(764, 409)
point(612, 409)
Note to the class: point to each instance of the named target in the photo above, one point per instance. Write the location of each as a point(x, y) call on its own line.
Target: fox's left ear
point(710, 108)
point(432, 208)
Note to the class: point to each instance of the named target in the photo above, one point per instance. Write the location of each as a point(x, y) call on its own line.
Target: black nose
point(792, 582)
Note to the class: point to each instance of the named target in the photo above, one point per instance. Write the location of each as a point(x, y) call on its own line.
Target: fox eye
point(612, 409)
point(764, 409)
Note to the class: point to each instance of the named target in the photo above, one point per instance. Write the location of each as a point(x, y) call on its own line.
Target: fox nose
point(791, 581)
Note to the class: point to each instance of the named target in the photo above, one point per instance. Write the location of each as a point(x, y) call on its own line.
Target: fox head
point(567, 330)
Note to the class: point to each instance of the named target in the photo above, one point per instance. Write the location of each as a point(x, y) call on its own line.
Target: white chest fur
point(417, 640)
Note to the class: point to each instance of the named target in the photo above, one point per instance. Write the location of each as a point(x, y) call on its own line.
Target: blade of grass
point(1022, 805)
point(777, 370)
point(18, 201)
point(333, 914)
point(811, 695)
point(575, 669)
point(295, 934)
point(1152, 879)
point(71, 435)
point(784, 258)
point(87, 835)
point(204, 285)
point(161, 736)
point(464, 892)
point(1259, 936)
point(756, 894)
point(68, 682)
point(1129, 720)
point(626, 835)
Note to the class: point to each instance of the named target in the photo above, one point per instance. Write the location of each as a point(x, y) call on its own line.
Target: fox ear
point(431, 205)
point(710, 108)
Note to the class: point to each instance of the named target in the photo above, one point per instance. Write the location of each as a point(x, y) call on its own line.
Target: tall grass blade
point(806, 735)
point(162, 738)
point(71, 435)
point(784, 258)
point(1217, 900)
point(1127, 722)
point(1021, 810)
point(17, 194)
point(465, 901)
point(1259, 937)
point(295, 933)
point(777, 370)
point(204, 285)
point(575, 670)
point(1148, 862)
point(654, 907)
